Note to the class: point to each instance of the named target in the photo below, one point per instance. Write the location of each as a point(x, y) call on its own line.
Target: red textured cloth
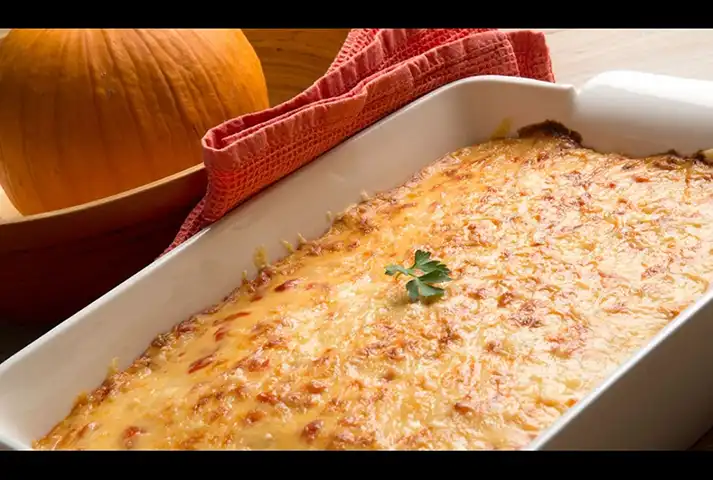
point(376, 72)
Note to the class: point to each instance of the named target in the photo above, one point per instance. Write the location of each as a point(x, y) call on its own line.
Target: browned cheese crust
point(564, 262)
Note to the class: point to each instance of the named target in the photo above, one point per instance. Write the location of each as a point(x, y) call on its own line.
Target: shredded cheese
point(564, 263)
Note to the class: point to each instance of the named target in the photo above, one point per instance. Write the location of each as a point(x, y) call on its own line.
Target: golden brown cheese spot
point(505, 299)
point(230, 317)
point(286, 285)
point(315, 386)
point(201, 363)
point(565, 262)
point(221, 333)
point(130, 436)
point(464, 408)
point(268, 397)
point(275, 342)
point(254, 416)
point(311, 430)
point(255, 362)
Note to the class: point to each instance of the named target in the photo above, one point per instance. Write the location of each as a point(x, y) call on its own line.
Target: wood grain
point(311, 52)
point(577, 55)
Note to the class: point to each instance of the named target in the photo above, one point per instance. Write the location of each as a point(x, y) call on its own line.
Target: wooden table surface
point(577, 55)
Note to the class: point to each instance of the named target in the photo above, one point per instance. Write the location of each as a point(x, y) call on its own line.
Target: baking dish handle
point(657, 112)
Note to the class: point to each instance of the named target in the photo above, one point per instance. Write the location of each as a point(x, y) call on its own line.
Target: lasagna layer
point(564, 262)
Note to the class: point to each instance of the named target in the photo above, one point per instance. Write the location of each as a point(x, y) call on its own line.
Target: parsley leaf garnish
point(422, 286)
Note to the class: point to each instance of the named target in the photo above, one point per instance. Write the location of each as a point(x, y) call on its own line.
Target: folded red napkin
point(376, 72)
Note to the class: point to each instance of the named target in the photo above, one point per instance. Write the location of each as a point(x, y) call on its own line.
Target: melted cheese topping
point(564, 262)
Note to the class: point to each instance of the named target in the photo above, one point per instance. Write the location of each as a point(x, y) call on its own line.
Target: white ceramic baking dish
point(662, 398)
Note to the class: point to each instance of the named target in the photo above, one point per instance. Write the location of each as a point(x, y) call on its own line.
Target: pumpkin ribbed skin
point(89, 113)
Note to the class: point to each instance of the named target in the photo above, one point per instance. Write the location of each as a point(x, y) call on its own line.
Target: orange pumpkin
point(89, 113)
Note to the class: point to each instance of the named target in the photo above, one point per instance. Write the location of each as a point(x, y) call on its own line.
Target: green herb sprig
point(422, 286)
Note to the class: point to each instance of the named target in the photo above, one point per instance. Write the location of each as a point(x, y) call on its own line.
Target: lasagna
point(562, 262)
